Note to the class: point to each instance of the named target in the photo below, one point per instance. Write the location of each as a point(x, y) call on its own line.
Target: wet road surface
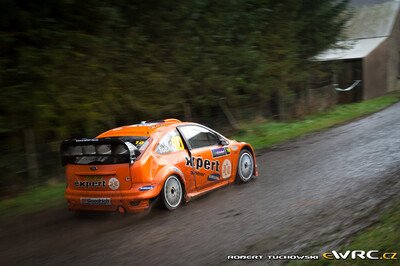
point(312, 193)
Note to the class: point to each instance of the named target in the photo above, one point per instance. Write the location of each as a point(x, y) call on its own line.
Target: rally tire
point(245, 168)
point(172, 193)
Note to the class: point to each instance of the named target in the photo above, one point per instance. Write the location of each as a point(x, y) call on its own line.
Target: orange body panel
point(131, 186)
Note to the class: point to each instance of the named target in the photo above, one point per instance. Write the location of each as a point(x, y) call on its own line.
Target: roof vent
point(172, 120)
point(169, 120)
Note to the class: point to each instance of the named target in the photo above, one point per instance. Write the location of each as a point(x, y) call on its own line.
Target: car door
point(207, 161)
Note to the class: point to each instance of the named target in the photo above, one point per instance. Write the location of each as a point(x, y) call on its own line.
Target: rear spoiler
point(97, 151)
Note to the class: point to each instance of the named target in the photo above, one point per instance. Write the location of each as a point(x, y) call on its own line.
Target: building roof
point(372, 21)
point(366, 2)
point(369, 26)
point(352, 49)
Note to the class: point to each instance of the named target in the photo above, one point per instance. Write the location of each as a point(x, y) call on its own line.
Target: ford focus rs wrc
point(126, 168)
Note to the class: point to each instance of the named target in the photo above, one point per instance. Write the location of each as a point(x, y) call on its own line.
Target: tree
point(73, 68)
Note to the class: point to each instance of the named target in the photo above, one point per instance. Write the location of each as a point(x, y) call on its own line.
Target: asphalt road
point(311, 195)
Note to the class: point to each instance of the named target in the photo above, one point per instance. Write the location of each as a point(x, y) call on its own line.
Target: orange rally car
point(127, 168)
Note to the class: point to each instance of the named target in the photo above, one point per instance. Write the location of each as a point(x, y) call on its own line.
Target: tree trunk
point(232, 121)
point(31, 156)
point(282, 107)
point(187, 111)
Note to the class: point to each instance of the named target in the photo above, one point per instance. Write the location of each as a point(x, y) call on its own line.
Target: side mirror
point(223, 142)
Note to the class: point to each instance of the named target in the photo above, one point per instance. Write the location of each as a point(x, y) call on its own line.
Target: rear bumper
point(132, 200)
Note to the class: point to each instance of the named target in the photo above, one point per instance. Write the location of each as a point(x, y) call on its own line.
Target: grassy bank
point(33, 201)
point(383, 236)
point(267, 134)
point(259, 135)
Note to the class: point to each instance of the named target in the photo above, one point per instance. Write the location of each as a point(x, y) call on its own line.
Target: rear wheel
point(172, 193)
point(245, 166)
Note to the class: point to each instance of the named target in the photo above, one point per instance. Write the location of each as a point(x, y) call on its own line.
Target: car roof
point(144, 129)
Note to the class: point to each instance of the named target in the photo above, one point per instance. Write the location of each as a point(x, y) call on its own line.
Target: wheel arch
point(247, 146)
point(167, 172)
point(183, 183)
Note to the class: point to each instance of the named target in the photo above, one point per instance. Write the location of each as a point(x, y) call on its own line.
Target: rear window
point(103, 151)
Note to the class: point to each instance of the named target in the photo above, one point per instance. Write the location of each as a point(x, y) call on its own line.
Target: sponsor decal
point(95, 201)
point(94, 177)
point(199, 163)
point(139, 142)
point(235, 148)
point(197, 173)
point(85, 140)
point(146, 188)
point(113, 183)
point(220, 152)
point(213, 177)
point(226, 169)
point(89, 184)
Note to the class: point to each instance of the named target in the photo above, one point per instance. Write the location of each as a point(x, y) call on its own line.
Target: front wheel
point(245, 167)
point(172, 193)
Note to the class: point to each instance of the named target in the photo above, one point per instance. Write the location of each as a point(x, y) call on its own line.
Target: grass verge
point(383, 236)
point(267, 134)
point(32, 201)
point(259, 135)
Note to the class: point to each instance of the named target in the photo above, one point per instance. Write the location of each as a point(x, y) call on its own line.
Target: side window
point(199, 136)
point(172, 141)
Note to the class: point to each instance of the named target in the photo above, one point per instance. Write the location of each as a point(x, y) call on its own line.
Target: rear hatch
point(98, 164)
